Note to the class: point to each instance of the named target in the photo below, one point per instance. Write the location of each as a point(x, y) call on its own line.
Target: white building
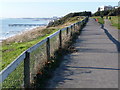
point(115, 7)
point(104, 8)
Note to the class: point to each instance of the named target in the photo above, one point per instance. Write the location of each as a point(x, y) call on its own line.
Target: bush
point(67, 18)
point(114, 12)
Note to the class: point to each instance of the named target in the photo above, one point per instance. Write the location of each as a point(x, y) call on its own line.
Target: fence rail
point(21, 71)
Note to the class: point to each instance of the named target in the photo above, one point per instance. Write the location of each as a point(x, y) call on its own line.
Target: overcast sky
point(49, 8)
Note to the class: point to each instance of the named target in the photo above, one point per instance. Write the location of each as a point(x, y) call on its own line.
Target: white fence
point(21, 71)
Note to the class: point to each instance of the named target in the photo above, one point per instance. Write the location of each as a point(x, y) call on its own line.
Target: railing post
point(67, 31)
point(27, 70)
point(74, 28)
point(60, 40)
point(79, 26)
point(48, 48)
point(82, 24)
point(71, 33)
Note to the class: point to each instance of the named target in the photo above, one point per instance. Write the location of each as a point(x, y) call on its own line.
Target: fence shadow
point(93, 68)
point(117, 43)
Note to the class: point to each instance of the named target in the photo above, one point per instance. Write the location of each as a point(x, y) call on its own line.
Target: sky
point(48, 8)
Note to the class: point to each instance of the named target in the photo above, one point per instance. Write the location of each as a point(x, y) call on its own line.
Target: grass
point(100, 20)
point(66, 19)
point(12, 49)
point(47, 72)
point(114, 20)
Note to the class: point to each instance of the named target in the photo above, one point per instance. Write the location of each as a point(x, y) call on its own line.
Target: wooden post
point(82, 25)
point(48, 48)
point(71, 33)
point(60, 40)
point(27, 70)
point(67, 31)
point(79, 26)
point(74, 28)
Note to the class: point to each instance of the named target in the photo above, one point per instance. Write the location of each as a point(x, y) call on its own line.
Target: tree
point(114, 12)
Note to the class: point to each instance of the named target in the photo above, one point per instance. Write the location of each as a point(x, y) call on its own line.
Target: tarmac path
point(95, 64)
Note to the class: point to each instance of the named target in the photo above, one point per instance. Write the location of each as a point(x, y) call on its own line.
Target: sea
point(8, 27)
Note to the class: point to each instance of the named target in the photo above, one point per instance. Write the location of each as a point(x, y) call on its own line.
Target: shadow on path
point(93, 68)
point(117, 43)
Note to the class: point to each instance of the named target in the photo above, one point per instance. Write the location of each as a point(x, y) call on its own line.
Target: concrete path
point(112, 30)
point(95, 65)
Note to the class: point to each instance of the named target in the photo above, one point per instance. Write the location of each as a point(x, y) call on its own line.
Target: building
point(104, 8)
point(115, 7)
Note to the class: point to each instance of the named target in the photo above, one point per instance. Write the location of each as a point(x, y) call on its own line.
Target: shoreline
point(19, 32)
point(20, 36)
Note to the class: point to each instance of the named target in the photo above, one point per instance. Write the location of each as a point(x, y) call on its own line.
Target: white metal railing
point(25, 56)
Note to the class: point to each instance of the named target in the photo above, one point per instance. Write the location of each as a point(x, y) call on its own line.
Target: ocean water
point(8, 31)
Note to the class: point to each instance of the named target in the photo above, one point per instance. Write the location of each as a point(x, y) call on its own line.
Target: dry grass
point(38, 32)
point(25, 36)
point(71, 21)
point(14, 46)
point(32, 34)
point(115, 21)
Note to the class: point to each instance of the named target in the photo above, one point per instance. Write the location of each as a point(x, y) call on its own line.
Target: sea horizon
point(8, 31)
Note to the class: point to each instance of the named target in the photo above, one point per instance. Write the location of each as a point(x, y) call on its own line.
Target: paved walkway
point(95, 65)
point(111, 29)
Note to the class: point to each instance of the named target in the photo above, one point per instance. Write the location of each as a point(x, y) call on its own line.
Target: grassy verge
point(114, 20)
point(12, 49)
point(47, 71)
point(100, 20)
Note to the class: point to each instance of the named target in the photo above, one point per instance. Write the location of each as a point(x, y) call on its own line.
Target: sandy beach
point(25, 35)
